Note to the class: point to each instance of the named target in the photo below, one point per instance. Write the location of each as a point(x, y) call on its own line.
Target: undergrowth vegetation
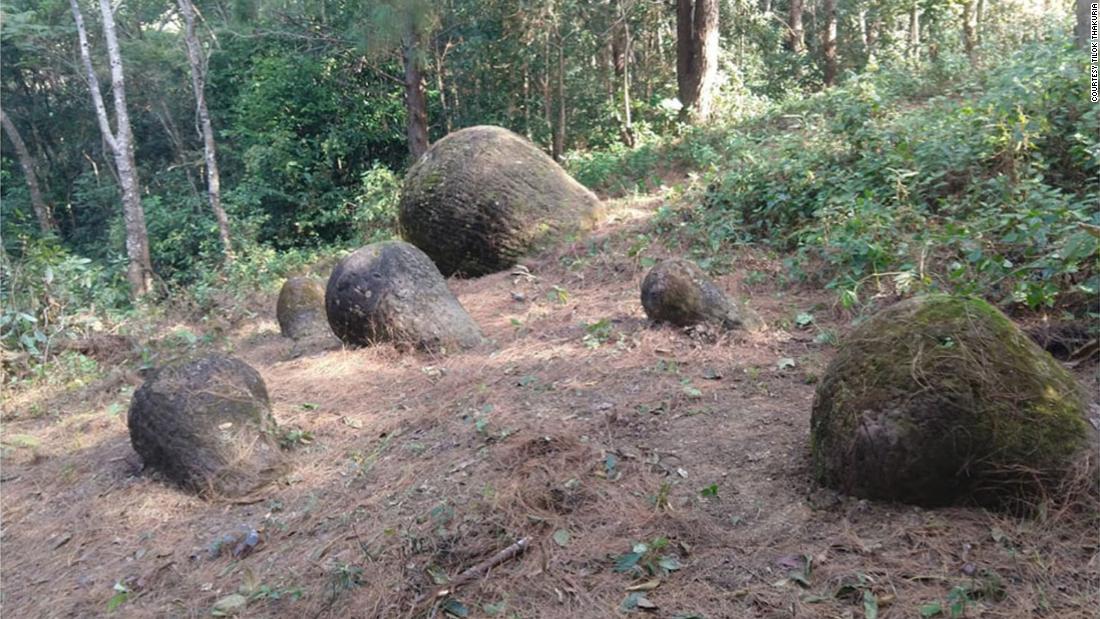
point(986, 186)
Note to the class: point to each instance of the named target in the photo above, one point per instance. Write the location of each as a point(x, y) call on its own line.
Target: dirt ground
point(583, 429)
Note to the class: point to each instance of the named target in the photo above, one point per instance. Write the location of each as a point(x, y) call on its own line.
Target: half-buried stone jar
point(300, 309)
point(941, 399)
point(392, 292)
point(678, 292)
point(207, 425)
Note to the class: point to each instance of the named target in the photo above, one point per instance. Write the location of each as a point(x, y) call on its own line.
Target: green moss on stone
point(940, 397)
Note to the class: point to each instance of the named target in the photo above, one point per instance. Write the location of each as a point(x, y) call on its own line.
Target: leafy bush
point(46, 294)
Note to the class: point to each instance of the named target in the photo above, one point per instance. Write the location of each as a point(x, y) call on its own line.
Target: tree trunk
point(210, 156)
point(121, 143)
point(627, 130)
point(548, 93)
point(796, 35)
point(26, 161)
point(914, 32)
point(873, 30)
point(526, 97)
point(979, 19)
point(970, 39)
point(559, 127)
point(828, 43)
point(696, 56)
point(416, 103)
point(1083, 30)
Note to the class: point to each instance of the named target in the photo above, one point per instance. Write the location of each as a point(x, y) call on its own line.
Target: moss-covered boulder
point(300, 309)
point(677, 291)
point(939, 399)
point(482, 197)
point(391, 292)
point(206, 424)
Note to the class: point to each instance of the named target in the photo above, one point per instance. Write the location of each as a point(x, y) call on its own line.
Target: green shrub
point(47, 293)
point(982, 189)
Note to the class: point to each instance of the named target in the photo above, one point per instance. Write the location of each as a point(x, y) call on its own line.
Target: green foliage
point(981, 190)
point(597, 333)
point(647, 559)
point(310, 143)
point(47, 293)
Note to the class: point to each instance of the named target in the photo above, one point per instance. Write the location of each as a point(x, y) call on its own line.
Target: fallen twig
point(480, 569)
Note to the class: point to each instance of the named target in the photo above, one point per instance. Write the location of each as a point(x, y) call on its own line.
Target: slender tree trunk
point(559, 127)
point(979, 19)
point(796, 36)
point(1083, 29)
point(627, 130)
point(828, 43)
point(444, 107)
point(46, 222)
point(526, 97)
point(696, 56)
point(914, 32)
point(548, 93)
point(416, 104)
point(121, 144)
point(969, 27)
point(873, 30)
point(210, 155)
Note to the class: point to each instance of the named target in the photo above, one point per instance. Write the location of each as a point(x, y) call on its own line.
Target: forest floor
point(583, 429)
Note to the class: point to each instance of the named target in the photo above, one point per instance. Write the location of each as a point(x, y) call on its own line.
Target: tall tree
point(796, 34)
point(121, 143)
point(622, 52)
point(696, 56)
point(405, 25)
point(969, 31)
point(914, 31)
point(828, 43)
point(26, 161)
point(416, 102)
point(210, 156)
point(1083, 29)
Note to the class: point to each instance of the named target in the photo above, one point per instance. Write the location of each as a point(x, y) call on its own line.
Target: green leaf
point(562, 537)
point(119, 598)
point(439, 576)
point(637, 601)
point(609, 464)
point(804, 319)
point(710, 491)
point(870, 605)
point(229, 605)
point(932, 609)
point(627, 563)
point(669, 563)
point(455, 608)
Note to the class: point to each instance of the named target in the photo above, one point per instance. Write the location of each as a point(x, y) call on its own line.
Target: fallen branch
point(482, 568)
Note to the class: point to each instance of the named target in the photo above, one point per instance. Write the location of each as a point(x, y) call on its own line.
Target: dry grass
point(421, 467)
